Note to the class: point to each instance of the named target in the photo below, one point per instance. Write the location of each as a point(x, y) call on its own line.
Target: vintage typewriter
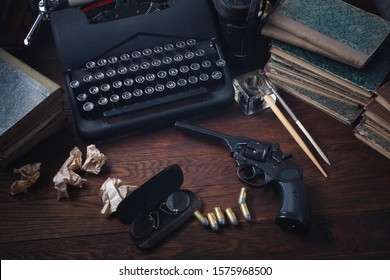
point(140, 65)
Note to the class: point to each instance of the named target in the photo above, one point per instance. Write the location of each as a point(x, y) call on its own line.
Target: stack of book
point(335, 57)
point(31, 108)
point(329, 54)
point(374, 127)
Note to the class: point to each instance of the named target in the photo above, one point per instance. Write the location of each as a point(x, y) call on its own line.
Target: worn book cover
point(331, 28)
point(345, 113)
point(315, 83)
point(383, 95)
point(29, 101)
point(363, 81)
point(373, 140)
point(378, 113)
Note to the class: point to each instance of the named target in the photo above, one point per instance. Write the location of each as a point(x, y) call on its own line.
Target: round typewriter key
point(206, 63)
point(178, 202)
point(88, 106)
point(150, 77)
point(171, 85)
point(113, 59)
point(101, 62)
point(180, 44)
point(138, 92)
point(161, 74)
point(99, 76)
point(74, 84)
point(173, 71)
point(149, 90)
point(192, 80)
point(81, 97)
point(93, 90)
point(87, 78)
point(181, 82)
point(159, 87)
point(142, 226)
point(178, 57)
point(90, 64)
point(134, 67)
point(111, 73)
point(191, 42)
point(200, 52)
point(145, 65)
point(117, 84)
point(105, 87)
point(102, 101)
point(216, 75)
point(128, 82)
point(184, 69)
point(140, 79)
point(125, 57)
point(114, 98)
point(126, 95)
point(221, 62)
point(203, 77)
point(158, 49)
point(135, 54)
point(147, 52)
point(169, 47)
point(122, 70)
point(189, 55)
point(195, 66)
point(167, 60)
point(156, 62)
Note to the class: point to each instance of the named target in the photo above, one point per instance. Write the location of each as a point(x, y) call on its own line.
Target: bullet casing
point(201, 218)
point(242, 197)
point(245, 211)
point(220, 215)
point(213, 221)
point(231, 216)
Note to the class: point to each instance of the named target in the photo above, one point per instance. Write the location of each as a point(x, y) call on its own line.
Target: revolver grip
point(294, 215)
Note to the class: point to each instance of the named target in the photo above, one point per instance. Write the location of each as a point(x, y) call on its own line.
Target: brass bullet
point(242, 197)
point(202, 219)
point(231, 216)
point(213, 221)
point(245, 211)
point(220, 215)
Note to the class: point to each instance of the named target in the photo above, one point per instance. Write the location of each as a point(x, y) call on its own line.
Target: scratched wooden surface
point(350, 209)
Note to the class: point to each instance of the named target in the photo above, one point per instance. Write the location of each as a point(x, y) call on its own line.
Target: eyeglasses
point(146, 223)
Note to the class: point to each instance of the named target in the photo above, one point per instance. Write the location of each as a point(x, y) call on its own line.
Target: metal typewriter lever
point(44, 10)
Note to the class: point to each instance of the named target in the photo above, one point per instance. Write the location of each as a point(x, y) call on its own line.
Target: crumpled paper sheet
point(29, 175)
point(113, 191)
point(94, 161)
point(66, 174)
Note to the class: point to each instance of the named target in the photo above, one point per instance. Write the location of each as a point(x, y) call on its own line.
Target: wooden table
point(350, 209)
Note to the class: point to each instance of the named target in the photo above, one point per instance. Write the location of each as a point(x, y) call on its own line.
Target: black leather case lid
point(149, 195)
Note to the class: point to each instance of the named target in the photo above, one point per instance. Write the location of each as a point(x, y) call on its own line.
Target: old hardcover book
point(373, 140)
point(30, 102)
point(383, 95)
point(377, 113)
point(332, 28)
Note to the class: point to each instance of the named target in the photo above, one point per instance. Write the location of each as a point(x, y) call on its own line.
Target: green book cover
point(369, 78)
point(331, 27)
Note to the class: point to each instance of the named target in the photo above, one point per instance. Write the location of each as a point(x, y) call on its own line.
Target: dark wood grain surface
point(350, 209)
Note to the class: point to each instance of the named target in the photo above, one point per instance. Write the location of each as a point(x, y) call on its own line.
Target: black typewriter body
point(141, 71)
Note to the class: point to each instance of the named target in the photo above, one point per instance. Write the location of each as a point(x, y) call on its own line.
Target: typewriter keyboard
point(116, 85)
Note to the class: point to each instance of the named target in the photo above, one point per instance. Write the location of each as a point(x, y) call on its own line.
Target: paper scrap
point(94, 161)
point(112, 192)
point(29, 175)
point(66, 174)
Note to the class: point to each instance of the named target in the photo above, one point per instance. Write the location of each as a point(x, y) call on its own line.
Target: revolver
point(260, 164)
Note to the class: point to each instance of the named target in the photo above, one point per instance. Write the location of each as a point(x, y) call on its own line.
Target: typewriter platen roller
point(141, 71)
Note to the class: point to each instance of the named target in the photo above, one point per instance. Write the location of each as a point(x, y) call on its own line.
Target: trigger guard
point(244, 167)
point(246, 180)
